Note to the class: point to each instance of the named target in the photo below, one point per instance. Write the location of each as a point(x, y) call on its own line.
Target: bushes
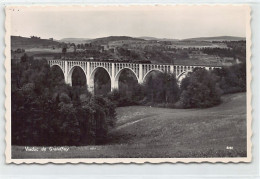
point(158, 89)
point(48, 112)
point(232, 79)
point(40, 121)
point(199, 89)
point(203, 88)
point(120, 100)
point(161, 88)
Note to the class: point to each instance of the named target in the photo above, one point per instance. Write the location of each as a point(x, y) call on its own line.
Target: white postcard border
point(123, 160)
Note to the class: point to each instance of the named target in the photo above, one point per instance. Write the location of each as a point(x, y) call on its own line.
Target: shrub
point(199, 89)
point(120, 99)
point(232, 79)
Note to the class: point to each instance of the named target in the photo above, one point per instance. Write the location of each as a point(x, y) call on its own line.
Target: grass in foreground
point(150, 132)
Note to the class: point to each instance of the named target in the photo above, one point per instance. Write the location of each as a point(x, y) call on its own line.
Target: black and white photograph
point(121, 84)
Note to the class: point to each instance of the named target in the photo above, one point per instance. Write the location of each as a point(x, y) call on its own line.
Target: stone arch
point(57, 65)
point(158, 70)
point(116, 82)
point(91, 79)
point(71, 72)
point(181, 76)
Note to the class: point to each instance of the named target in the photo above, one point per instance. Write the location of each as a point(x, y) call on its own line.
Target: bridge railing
point(139, 62)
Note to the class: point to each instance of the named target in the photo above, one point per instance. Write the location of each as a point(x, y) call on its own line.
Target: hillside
point(106, 40)
point(158, 39)
point(125, 48)
point(219, 38)
point(143, 131)
point(75, 40)
point(27, 43)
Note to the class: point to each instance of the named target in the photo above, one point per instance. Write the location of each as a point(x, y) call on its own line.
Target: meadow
point(149, 132)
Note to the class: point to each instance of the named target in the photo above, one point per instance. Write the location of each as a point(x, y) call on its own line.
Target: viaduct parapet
point(114, 70)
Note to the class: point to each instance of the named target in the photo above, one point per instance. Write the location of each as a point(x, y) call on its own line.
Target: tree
point(232, 79)
point(64, 50)
point(82, 46)
point(162, 88)
point(199, 89)
point(24, 58)
point(49, 112)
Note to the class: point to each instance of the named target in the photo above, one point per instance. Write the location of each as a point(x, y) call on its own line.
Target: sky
point(175, 22)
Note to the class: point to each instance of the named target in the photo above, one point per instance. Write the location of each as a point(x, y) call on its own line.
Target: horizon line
point(131, 37)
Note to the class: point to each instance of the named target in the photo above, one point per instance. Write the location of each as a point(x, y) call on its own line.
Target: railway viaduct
point(114, 69)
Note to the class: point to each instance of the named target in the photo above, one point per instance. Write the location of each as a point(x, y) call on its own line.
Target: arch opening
point(161, 87)
point(153, 86)
point(126, 82)
point(181, 76)
point(57, 74)
point(151, 74)
point(100, 81)
point(77, 77)
point(184, 74)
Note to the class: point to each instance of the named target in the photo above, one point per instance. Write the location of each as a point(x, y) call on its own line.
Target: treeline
point(204, 88)
point(237, 52)
point(231, 79)
point(45, 111)
point(129, 54)
point(166, 56)
point(200, 89)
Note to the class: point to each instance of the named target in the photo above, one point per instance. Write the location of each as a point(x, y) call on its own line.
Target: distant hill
point(26, 43)
point(75, 40)
point(219, 38)
point(105, 40)
point(158, 39)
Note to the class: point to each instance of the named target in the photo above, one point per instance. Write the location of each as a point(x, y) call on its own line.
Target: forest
point(45, 111)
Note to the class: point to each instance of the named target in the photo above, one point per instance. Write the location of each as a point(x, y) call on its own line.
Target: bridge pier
point(66, 72)
point(140, 75)
point(114, 84)
point(91, 89)
point(114, 70)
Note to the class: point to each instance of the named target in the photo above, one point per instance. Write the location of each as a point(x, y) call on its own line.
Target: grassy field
point(143, 131)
